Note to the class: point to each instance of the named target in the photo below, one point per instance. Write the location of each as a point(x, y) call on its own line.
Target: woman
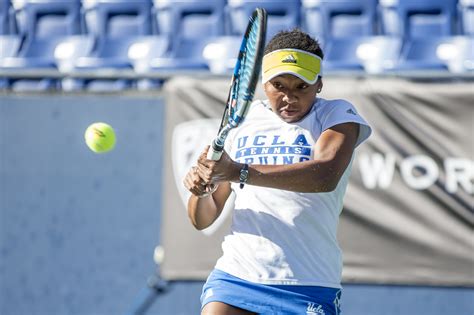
point(293, 153)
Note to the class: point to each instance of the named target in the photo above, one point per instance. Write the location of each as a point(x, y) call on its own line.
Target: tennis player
point(289, 165)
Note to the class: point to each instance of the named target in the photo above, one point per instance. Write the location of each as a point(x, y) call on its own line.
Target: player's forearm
point(309, 176)
point(333, 152)
point(202, 211)
point(205, 210)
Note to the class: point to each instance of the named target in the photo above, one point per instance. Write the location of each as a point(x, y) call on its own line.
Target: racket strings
point(249, 62)
point(244, 80)
point(247, 69)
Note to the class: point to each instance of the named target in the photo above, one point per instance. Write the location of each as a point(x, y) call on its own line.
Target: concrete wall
point(77, 229)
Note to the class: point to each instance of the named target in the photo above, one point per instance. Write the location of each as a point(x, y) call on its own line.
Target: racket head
point(247, 70)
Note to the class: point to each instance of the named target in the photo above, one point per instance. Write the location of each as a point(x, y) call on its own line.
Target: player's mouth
point(289, 111)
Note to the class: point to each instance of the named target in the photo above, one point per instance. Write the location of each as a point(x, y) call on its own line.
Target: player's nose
point(290, 98)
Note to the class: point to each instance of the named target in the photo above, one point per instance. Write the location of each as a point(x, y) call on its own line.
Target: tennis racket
point(244, 80)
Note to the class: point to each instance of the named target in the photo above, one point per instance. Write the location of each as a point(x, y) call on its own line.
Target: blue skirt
point(270, 299)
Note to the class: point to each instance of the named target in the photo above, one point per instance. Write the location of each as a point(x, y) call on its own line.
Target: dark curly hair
point(296, 39)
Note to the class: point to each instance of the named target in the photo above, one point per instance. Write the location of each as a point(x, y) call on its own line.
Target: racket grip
point(215, 152)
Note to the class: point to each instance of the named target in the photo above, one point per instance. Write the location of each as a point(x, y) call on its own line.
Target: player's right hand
point(195, 184)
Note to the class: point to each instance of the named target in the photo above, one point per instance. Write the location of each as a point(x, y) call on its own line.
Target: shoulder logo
point(289, 59)
point(351, 111)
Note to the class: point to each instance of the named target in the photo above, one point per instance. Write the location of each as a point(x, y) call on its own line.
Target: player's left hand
point(217, 171)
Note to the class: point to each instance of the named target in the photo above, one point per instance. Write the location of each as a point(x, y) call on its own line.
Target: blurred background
point(83, 233)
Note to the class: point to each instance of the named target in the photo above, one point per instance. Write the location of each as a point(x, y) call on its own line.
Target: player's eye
point(277, 85)
point(303, 86)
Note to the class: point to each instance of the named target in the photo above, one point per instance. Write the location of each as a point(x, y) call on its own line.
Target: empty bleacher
point(119, 44)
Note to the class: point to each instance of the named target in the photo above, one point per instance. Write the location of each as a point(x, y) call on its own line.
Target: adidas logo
point(350, 111)
point(289, 59)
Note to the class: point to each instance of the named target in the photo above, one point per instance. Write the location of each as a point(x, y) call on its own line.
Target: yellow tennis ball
point(100, 137)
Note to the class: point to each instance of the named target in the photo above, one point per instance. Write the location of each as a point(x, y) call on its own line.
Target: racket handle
point(215, 152)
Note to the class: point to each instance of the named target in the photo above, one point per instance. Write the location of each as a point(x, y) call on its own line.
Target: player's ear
point(319, 85)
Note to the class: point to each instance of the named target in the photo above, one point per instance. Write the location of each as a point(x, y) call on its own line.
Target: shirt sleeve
point(340, 111)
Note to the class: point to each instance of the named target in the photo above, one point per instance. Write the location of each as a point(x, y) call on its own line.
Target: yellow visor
point(304, 65)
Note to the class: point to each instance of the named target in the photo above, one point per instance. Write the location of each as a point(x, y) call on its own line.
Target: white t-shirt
point(279, 236)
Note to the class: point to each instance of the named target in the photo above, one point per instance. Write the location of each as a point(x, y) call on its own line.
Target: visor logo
point(289, 59)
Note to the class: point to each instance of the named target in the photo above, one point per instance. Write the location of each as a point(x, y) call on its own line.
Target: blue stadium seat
point(129, 52)
point(43, 54)
point(216, 54)
point(117, 25)
point(49, 53)
point(98, 85)
point(117, 18)
point(189, 18)
point(28, 85)
point(189, 24)
point(187, 56)
point(347, 31)
point(424, 25)
point(449, 53)
point(9, 46)
point(5, 22)
point(43, 25)
point(47, 18)
point(369, 54)
point(221, 54)
point(466, 12)
point(339, 18)
point(418, 18)
point(114, 53)
point(282, 15)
